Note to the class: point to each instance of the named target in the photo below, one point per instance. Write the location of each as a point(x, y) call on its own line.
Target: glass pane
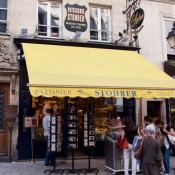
point(3, 28)
point(3, 3)
point(93, 35)
point(42, 14)
point(3, 14)
point(105, 19)
point(42, 19)
point(105, 24)
point(54, 19)
point(1, 110)
point(93, 18)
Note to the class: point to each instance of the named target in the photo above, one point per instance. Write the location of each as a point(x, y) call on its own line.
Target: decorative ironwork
point(131, 6)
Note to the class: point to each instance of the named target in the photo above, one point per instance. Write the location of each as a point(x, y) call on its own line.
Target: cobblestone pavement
point(37, 168)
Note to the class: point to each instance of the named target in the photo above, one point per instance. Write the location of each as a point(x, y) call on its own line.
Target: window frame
point(48, 7)
point(5, 21)
point(99, 25)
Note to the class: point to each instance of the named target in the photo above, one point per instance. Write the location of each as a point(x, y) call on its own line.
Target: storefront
point(100, 81)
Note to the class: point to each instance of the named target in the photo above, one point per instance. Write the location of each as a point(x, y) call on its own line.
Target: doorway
point(4, 100)
point(153, 109)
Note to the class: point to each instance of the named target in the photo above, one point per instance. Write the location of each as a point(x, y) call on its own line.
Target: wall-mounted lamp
point(171, 37)
point(77, 35)
point(135, 38)
point(121, 39)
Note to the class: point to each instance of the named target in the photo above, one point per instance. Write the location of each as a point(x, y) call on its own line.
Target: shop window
point(49, 19)
point(100, 24)
point(3, 16)
point(39, 107)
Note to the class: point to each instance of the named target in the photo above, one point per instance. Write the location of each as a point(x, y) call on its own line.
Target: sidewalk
point(37, 168)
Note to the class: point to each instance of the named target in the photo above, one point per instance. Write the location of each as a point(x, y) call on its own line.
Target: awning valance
point(61, 71)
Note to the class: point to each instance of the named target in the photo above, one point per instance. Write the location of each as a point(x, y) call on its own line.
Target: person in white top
point(46, 106)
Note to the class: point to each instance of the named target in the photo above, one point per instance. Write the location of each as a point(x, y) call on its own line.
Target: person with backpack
point(167, 146)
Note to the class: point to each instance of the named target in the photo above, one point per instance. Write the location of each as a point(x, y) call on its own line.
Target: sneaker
point(45, 165)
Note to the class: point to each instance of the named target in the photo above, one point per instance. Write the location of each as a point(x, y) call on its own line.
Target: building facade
point(104, 23)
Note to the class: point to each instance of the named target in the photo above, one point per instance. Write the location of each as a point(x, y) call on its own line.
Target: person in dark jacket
point(152, 157)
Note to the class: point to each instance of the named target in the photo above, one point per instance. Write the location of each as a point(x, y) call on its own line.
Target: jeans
point(166, 155)
point(127, 152)
point(49, 156)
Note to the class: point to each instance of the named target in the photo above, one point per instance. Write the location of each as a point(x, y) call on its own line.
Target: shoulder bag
point(138, 150)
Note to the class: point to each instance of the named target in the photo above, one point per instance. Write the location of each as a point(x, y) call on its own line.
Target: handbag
point(138, 150)
point(122, 143)
point(170, 139)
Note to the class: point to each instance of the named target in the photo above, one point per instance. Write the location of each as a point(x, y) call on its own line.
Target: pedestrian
point(152, 158)
point(147, 121)
point(49, 160)
point(130, 131)
point(167, 146)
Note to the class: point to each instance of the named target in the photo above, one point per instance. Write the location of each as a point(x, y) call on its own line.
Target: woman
point(152, 156)
point(167, 147)
point(130, 131)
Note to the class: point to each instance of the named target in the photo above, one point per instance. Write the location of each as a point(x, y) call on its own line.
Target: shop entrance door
point(4, 100)
point(153, 108)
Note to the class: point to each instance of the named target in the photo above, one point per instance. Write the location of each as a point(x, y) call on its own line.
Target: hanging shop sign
point(137, 20)
point(75, 19)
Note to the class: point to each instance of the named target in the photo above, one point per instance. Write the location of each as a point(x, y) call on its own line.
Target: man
point(152, 157)
point(46, 119)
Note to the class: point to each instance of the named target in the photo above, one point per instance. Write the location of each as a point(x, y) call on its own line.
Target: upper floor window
point(3, 16)
point(49, 19)
point(168, 28)
point(100, 24)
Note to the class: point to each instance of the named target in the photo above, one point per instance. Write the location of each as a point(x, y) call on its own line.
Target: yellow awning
point(61, 71)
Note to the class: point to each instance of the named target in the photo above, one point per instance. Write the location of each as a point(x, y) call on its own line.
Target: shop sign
point(75, 19)
point(95, 92)
point(137, 19)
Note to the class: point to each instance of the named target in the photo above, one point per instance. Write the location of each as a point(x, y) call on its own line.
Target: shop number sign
point(75, 19)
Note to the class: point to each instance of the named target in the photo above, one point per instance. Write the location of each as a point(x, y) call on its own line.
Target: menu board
point(89, 130)
point(72, 127)
point(55, 134)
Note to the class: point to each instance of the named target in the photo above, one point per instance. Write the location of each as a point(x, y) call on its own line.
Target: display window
point(87, 119)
